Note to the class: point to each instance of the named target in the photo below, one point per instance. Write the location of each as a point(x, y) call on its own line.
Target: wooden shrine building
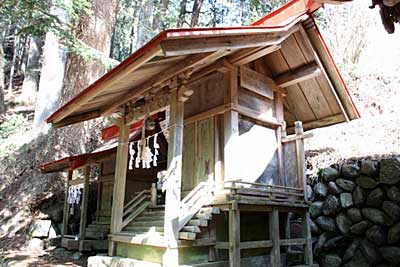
point(230, 107)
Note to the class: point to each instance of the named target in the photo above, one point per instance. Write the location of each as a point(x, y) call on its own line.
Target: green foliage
point(12, 124)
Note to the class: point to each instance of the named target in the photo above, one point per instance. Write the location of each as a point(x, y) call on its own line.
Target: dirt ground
point(51, 257)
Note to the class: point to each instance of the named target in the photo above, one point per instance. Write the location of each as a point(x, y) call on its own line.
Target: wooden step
point(147, 212)
point(203, 216)
point(212, 210)
point(99, 226)
point(191, 229)
point(187, 236)
point(102, 222)
point(140, 223)
point(149, 218)
point(144, 229)
point(197, 222)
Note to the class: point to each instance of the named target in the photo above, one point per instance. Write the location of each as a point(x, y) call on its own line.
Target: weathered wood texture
point(234, 236)
point(84, 207)
point(64, 229)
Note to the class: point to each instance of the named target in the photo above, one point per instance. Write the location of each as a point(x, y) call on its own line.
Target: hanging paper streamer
point(156, 147)
point(132, 155)
point(149, 155)
point(139, 156)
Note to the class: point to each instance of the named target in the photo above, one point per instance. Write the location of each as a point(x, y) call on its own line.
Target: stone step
point(138, 234)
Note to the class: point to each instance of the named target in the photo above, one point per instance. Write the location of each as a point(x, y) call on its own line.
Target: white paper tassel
point(139, 154)
point(156, 147)
point(132, 154)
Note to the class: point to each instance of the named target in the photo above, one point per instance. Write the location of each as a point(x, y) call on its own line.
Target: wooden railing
point(271, 192)
point(200, 196)
point(135, 206)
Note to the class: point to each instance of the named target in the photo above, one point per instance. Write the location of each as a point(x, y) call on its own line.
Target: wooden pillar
point(234, 235)
point(274, 235)
point(66, 205)
point(121, 164)
point(174, 181)
point(84, 205)
point(300, 156)
point(278, 100)
point(231, 125)
point(308, 253)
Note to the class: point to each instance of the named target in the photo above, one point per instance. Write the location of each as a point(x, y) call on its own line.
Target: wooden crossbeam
point(245, 56)
point(303, 73)
point(190, 62)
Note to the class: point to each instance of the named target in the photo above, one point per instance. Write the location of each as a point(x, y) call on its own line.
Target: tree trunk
point(13, 62)
point(196, 12)
point(95, 30)
point(182, 14)
point(31, 77)
point(52, 75)
point(2, 104)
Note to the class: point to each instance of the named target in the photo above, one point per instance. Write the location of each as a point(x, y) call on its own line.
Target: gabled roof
point(320, 102)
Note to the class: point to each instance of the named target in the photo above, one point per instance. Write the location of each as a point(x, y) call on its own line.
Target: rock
point(370, 252)
point(56, 214)
point(329, 174)
point(40, 228)
point(347, 185)
point(321, 189)
point(350, 170)
point(391, 209)
point(346, 199)
point(333, 188)
point(366, 182)
point(320, 243)
point(394, 194)
point(356, 264)
point(331, 260)
point(375, 197)
point(391, 254)
point(376, 234)
point(394, 234)
point(316, 209)
point(354, 215)
point(310, 192)
point(55, 242)
point(76, 256)
point(359, 196)
point(351, 250)
point(333, 242)
point(36, 245)
point(376, 216)
point(359, 228)
point(326, 223)
point(369, 168)
point(330, 206)
point(314, 228)
point(343, 223)
point(390, 171)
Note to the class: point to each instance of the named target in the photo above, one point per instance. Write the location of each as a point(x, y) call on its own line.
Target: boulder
point(347, 185)
point(320, 190)
point(351, 250)
point(56, 213)
point(316, 209)
point(76, 256)
point(366, 182)
point(394, 194)
point(343, 223)
point(333, 242)
point(359, 196)
point(369, 168)
point(350, 170)
point(329, 174)
point(326, 223)
point(346, 199)
point(394, 234)
point(314, 228)
point(320, 243)
point(36, 245)
point(376, 234)
point(40, 228)
point(376, 216)
point(370, 252)
point(354, 215)
point(375, 197)
point(359, 228)
point(331, 205)
point(331, 260)
point(392, 209)
point(390, 171)
point(391, 254)
point(333, 188)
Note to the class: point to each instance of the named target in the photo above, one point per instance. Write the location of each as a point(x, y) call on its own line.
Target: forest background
point(50, 50)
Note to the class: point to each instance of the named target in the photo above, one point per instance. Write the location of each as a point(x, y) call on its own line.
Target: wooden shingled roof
point(288, 39)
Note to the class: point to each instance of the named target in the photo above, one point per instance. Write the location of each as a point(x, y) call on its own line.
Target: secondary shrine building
point(206, 165)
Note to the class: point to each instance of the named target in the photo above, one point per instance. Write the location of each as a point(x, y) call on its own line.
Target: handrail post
point(300, 156)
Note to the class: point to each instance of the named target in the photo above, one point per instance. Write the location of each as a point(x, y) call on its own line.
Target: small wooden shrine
point(229, 108)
